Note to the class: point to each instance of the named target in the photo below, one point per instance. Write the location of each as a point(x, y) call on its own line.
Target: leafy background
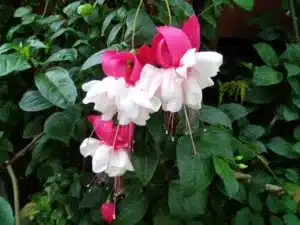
point(247, 135)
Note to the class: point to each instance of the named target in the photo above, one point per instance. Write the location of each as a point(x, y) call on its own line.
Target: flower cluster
point(170, 74)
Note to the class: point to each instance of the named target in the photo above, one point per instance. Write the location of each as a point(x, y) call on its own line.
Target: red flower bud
point(108, 212)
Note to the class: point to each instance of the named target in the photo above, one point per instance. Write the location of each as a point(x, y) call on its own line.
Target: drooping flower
point(117, 93)
point(184, 72)
point(108, 212)
point(110, 154)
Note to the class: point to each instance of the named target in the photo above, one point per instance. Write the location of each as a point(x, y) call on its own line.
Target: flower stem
point(169, 11)
point(190, 130)
point(295, 22)
point(134, 22)
point(14, 182)
point(45, 9)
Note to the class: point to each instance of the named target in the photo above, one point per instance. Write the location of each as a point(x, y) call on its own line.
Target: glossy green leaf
point(252, 132)
point(6, 213)
point(33, 101)
point(255, 202)
point(93, 60)
point(274, 204)
point(292, 70)
point(92, 197)
point(57, 87)
point(144, 27)
point(131, 210)
point(22, 11)
point(291, 219)
point(195, 171)
point(267, 54)
point(33, 128)
point(60, 125)
point(186, 207)
point(257, 219)
point(245, 4)
point(282, 147)
point(162, 218)
point(107, 21)
point(265, 76)
point(234, 111)
point(12, 63)
point(214, 116)
point(243, 216)
point(274, 220)
point(69, 54)
point(113, 33)
point(297, 133)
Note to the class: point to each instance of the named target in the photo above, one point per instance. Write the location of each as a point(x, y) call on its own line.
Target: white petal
point(171, 92)
point(89, 146)
point(150, 80)
point(87, 86)
point(208, 63)
point(119, 163)
point(192, 93)
point(101, 158)
point(189, 58)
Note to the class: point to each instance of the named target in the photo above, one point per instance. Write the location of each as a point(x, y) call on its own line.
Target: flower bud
point(108, 212)
point(85, 10)
point(239, 158)
point(242, 166)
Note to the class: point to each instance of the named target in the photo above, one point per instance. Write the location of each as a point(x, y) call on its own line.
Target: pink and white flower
point(184, 72)
point(110, 154)
point(117, 93)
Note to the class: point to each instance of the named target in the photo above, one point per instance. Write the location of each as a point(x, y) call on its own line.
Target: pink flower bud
point(108, 212)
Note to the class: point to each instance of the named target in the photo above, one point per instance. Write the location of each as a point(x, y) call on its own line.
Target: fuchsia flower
point(184, 71)
point(110, 153)
point(108, 212)
point(118, 92)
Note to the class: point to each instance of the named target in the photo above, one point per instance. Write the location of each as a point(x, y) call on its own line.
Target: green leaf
point(6, 47)
point(262, 94)
point(225, 172)
point(296, 148)
point(292, 70)
point(243, 216)
point(155, 126)
point(195, 171)
point(252, 132)
point(292, 53)
point(131, 210)
point(57, 87)
point(162, 219)
point(297, 133)
point(182, 6)
point(32, 128)
point(145, 161)
point(33, 101)
point(245, 4)
point(36, 44)
point(290, 205)
point(274, 204)
point(267, 54)
point(293, 175)
point(93, 60)
point(5, 148)
point(60, 125)
point(186, 207)
point(113, 33)
point(257, 220)
point(69, 54)
point(12, 63)
point(274, 220)
point(92, 197)
point(22, 11)
point(6, 213)
point(290, 113)
point(214, 116)
point(254, 201)
point(265, 76)
point(71, 9)
point(282, 147)
point(12, 30)
point(234, 111)
point(291, 219)
point(107, 21)
point(144, 27)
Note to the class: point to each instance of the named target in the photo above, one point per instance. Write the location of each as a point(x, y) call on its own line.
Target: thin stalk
point(190, 130)
point(14, 182)
point(45, 9)
point(169, 11)
point(134, 22)
point(295, 21)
